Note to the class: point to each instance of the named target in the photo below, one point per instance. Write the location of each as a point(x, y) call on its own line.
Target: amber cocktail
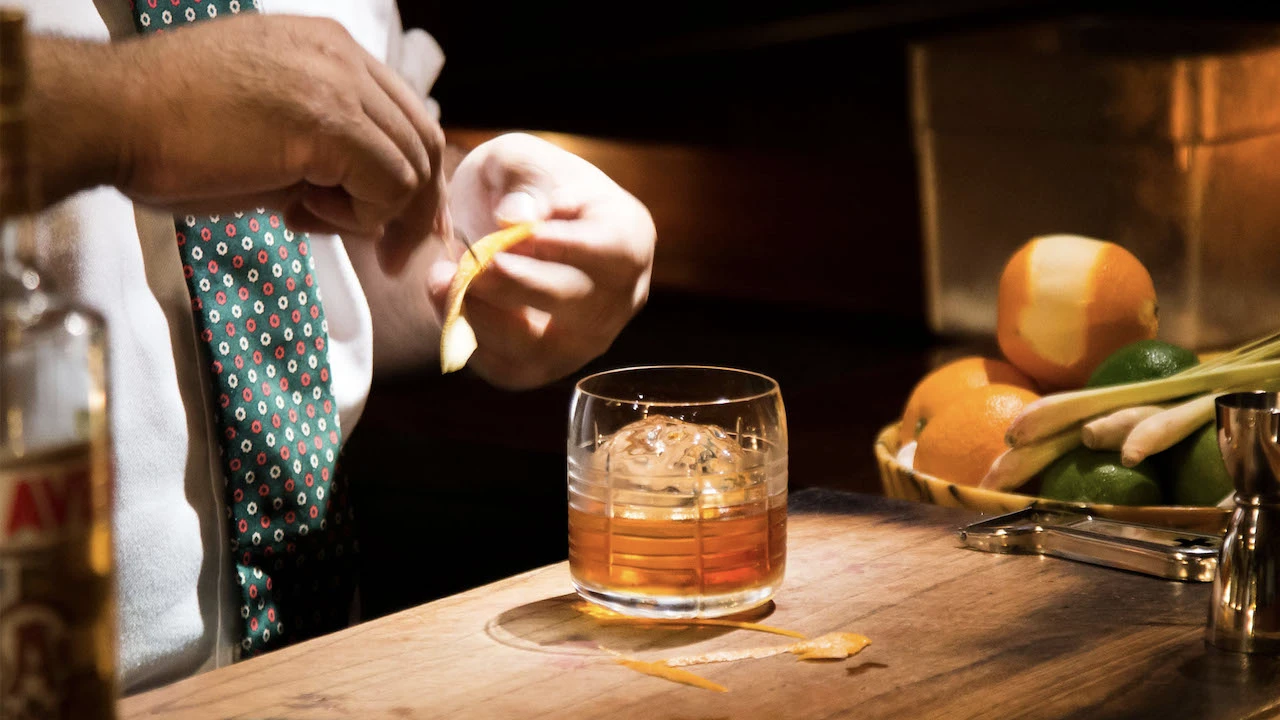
point(677, 490)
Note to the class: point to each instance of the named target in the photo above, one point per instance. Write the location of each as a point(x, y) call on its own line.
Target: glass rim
point(772, 389)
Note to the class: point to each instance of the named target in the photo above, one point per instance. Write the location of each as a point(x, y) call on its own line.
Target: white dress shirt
point(177, 610)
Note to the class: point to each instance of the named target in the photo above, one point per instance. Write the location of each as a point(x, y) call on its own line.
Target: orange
point(937, 389)
point(962, 441)
point(1066, 302)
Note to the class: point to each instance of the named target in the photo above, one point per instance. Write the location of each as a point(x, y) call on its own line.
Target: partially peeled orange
point(1066, 302)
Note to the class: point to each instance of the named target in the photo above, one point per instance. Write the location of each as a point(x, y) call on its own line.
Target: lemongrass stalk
point(1109, 431)
point(1253, 351)
point(1018, 465)
point(1165, 429)
point(1236, 359)
point(1053, 413)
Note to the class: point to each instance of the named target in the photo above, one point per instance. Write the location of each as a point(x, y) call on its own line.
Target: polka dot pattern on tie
point(260, 317)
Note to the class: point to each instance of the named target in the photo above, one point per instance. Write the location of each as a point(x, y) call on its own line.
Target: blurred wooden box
point(1163, 137)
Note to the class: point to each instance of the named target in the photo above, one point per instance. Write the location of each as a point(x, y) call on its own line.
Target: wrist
point(80, 98)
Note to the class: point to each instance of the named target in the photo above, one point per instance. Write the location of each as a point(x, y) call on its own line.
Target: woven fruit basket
point(900, 481)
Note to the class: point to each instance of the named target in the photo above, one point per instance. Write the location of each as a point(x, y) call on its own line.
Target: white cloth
point(177, 612)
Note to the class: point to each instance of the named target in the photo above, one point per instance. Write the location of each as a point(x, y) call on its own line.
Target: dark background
point(773, 146)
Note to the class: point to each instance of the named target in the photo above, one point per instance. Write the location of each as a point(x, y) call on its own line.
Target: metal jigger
point(1245, 612)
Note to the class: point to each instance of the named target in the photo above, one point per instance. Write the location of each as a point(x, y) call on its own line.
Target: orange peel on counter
point(831, 646)
point(457, 339)
point(674, 674)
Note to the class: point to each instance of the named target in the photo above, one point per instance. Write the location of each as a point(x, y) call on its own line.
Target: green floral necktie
point(258, 311)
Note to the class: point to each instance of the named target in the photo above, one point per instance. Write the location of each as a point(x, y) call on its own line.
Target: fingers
point(525, 348)
point(507, 373)
point(520, 350)
point(426, 210)
point(556, 300)
point(314, 210)
point(372, 170)
point(427, 131)
point(391, 120)
point(520, 206)
point(514, 280)
point(331, 206)
point(388, 169)
point(299, 219)
point(581, 228)
point(593, 246)
point(550, 317)
point(329, 116)
point(507, 332)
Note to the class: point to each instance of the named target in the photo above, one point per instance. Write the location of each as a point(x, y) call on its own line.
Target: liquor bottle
point(57, 599)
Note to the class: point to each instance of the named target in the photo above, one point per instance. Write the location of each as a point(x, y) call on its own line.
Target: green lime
point(1198, 472)
point(1142, 360)
point(1097, 476)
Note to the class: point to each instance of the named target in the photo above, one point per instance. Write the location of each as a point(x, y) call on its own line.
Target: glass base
point(668, 607)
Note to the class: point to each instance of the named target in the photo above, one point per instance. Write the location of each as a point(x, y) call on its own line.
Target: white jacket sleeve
point(418, 58)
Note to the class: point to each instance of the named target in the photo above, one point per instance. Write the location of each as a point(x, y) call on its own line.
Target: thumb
point(521, 205)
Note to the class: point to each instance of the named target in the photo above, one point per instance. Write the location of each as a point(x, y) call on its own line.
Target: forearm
point(78, 104)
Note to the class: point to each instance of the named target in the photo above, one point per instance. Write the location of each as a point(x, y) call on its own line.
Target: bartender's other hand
point(558, 300)
point(282, 112)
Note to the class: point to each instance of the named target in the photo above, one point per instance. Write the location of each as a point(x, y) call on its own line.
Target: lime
point(1142, 360)
point(1199, 475)
point(1097, 476)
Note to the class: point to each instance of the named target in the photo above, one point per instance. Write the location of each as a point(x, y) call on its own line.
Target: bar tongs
point(1079, 534)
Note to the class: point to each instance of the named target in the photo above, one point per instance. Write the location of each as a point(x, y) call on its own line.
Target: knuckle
point(329, 36)
point(492, 167)
point(433, 141)
point(329, 108)
point(421, 159)
point(343, 100)
point(404, 181)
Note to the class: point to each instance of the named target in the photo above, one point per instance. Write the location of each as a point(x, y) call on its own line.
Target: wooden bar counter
point(955, 633)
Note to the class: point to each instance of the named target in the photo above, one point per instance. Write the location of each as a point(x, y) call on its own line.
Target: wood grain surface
point(955, 633)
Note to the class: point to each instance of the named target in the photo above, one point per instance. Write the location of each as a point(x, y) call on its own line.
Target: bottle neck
point(17, 191)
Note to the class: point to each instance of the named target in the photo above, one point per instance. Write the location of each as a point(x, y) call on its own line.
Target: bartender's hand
point(250, 111)
point(558, 300)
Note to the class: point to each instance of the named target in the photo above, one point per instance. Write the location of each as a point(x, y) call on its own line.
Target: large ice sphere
point(658, 451)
